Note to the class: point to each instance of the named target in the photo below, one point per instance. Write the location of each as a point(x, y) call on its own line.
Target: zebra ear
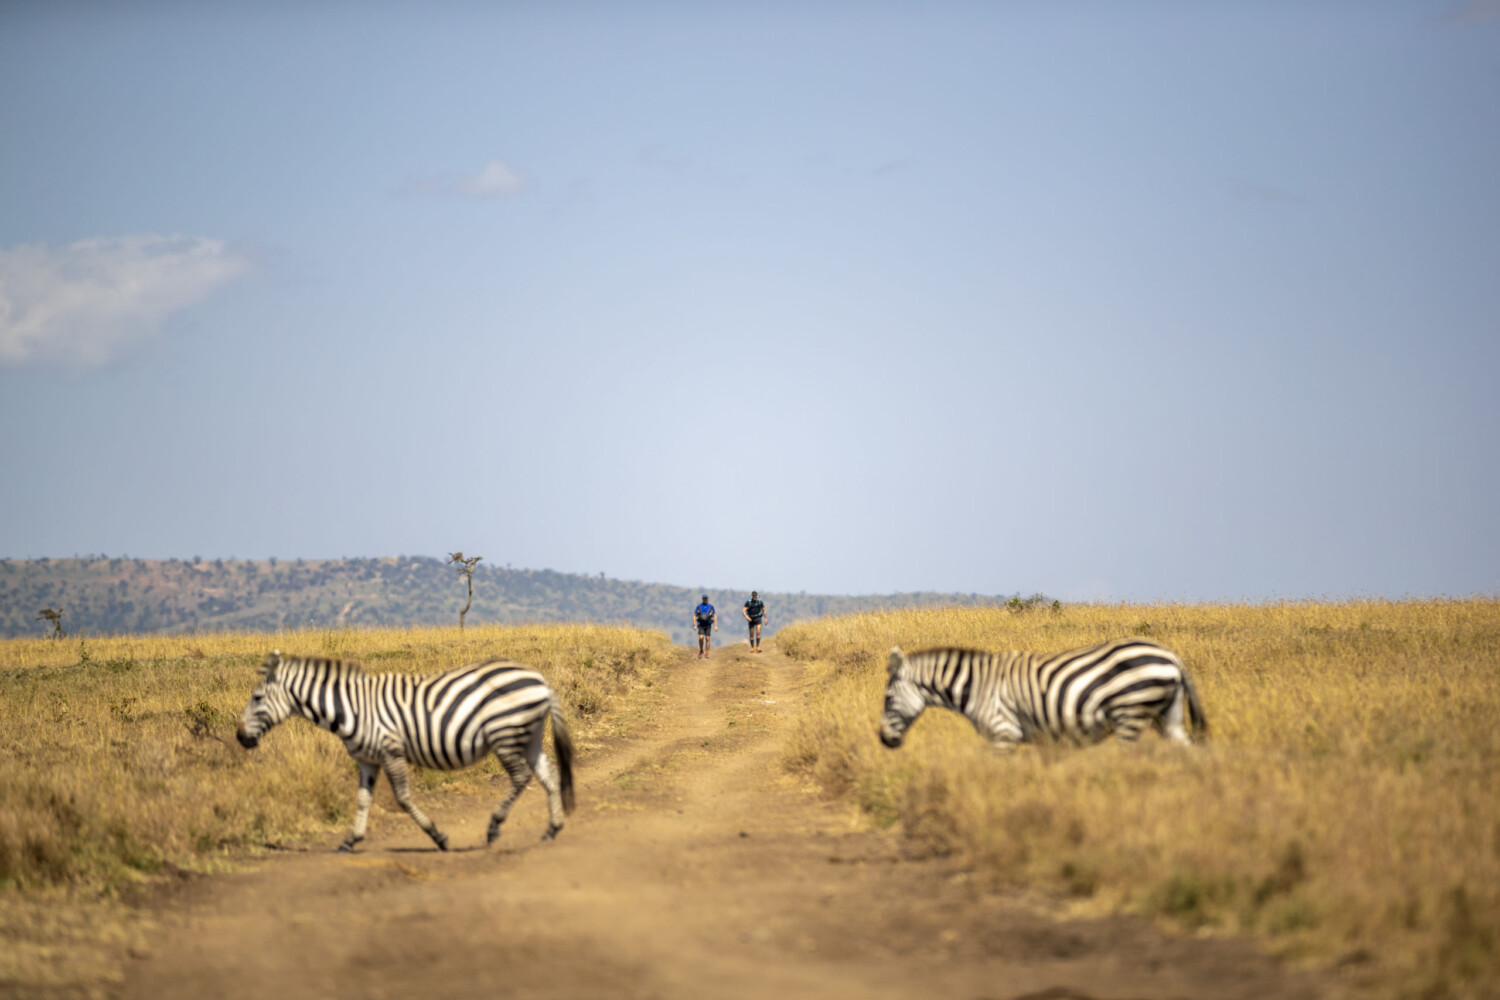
point(269, 664)
point(898, 660)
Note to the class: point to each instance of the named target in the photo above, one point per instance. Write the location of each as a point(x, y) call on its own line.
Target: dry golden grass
point(1345, 808)
point(118, 760)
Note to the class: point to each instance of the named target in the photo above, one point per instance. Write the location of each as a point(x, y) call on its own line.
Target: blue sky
point(1107, 301)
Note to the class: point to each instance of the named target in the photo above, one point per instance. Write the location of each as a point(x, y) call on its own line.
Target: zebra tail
point(1199, 721)
point(562, 746)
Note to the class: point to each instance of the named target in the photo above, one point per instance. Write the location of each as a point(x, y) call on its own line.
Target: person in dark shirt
point(706, 620)
point(755, 613)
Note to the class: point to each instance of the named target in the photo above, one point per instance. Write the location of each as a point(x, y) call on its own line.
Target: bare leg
point(520, 776)
point(395, 770)
point(367, 775)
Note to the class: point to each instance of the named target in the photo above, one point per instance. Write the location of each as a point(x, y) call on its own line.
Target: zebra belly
point(365, 754)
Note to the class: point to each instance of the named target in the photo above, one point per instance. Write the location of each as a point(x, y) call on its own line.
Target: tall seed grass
point(1345, 810)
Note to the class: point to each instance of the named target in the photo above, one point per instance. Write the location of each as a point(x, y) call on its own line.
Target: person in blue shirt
point(706, 620)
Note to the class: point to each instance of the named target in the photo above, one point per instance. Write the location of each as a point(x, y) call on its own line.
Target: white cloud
point(498, 179)
point(87, 303)
point(495, 179)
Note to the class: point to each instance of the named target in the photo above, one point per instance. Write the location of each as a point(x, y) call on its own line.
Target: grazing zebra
point(447, 721)
point(1082, 695)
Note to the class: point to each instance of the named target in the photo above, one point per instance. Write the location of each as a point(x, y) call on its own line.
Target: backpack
point(704, 613)
point(755, 608)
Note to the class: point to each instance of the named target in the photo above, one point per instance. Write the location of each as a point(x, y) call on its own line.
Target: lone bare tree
point(465, 570)
point(55, 617)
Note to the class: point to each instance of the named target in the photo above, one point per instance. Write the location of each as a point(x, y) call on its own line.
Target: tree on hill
point(465, 570)
point(55, 617)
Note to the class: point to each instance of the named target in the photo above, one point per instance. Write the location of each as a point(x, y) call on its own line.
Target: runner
point(706, 620)
point(755, 613)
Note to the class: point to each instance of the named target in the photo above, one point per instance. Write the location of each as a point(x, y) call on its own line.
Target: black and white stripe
point(447, 721)
point(1081, 696)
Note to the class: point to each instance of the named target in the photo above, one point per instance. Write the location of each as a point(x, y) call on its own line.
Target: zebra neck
point(943, 695)
point(328, 696)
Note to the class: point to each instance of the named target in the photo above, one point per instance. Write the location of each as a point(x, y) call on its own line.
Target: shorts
point(757, 622)
point(705, 629)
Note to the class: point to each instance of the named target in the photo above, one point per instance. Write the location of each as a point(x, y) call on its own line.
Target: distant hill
point(105, 596)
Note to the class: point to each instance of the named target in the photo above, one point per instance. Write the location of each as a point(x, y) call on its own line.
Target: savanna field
point(119, 766)
point(1343, 812)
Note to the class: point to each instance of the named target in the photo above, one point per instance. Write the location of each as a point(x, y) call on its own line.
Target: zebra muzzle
point(246, 740)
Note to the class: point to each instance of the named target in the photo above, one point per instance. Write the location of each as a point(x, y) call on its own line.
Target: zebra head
point(269, 704)
point(903, 702)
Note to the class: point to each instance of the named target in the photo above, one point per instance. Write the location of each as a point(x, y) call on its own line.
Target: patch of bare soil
point(692, 868)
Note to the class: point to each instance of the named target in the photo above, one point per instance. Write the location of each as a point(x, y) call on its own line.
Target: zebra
point(1080, 696)
point(446, 721)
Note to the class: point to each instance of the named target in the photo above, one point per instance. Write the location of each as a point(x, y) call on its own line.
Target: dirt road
point(692, 868)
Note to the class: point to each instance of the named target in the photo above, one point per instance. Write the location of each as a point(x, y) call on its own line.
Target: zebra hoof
point(440, 839)
point(493, 835)
point(551, 833)
point(347, 847)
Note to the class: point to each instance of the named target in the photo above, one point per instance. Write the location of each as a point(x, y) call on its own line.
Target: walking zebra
point(1082, 695)
point(447, 721)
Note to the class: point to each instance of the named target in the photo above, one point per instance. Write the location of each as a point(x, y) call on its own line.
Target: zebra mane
point(949, 649)
point(920, 664)
point(934, 652)
point(321, 665)
point(909, 663)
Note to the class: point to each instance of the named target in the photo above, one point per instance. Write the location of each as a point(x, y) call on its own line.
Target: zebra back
point(1080, 695)
point(445, 721)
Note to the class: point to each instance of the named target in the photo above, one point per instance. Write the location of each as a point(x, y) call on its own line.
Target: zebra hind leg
point(395, 770)
point(520, 776)
point(545, 773)
point(1173, 722)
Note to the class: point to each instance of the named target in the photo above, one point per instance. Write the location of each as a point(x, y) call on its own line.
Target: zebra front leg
point(1005, 736)
point(1128, 725)
point(367, 775)
point(395, 770)
point(520, 776)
